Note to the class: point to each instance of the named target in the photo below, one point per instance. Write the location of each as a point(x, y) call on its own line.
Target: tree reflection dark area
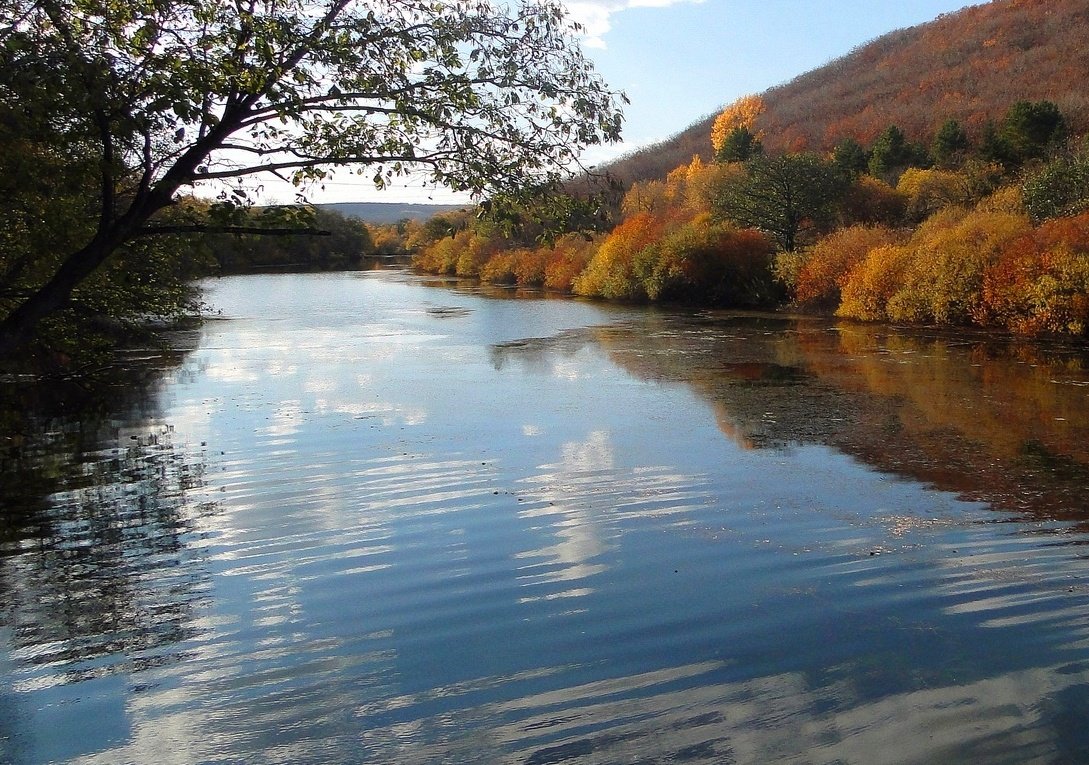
point(96, 496)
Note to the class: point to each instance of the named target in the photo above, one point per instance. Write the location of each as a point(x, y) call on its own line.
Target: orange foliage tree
point(1040, 283)
point(742, 113)
point(611, 271)
point(570, 255)
point(822, 271)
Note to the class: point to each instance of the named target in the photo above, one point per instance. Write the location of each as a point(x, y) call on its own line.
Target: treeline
point(968, 66)
point(990, 231)
point(339, 242)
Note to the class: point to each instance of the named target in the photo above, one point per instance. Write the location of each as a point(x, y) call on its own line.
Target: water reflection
point(369, 520)
point(99, 576)
point(992, 419)
point(689, 714)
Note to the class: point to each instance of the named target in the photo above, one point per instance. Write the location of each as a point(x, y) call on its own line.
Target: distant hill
point(970, 66)
point(388, 212)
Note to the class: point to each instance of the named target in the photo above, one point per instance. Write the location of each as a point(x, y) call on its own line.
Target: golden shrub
point(873, 280)
point(568, 258)
point(818, 275)
point(927, 191)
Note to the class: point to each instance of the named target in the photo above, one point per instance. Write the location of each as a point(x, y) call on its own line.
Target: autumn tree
point(742, 113)
point(783, 196)
point(159, 96)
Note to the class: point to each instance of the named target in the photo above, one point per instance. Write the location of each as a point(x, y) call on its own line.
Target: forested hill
point(388, 212)
point(968, 66)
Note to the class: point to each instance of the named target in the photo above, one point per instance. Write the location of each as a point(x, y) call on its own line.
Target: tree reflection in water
point(98, 511)
point(451, 529)
point(989, 418)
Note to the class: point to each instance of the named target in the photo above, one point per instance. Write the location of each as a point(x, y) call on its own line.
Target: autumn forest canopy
point(939, 175)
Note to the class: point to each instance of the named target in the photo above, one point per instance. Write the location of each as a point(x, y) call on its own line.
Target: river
point(375, 517)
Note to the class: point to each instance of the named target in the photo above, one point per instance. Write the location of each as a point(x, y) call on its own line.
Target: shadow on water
point(97, 579)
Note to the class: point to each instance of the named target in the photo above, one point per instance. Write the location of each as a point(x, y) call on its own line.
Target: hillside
point(388, 212)
point(970, 66)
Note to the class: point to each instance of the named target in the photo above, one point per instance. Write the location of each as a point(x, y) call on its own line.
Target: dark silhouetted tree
point(783, 196)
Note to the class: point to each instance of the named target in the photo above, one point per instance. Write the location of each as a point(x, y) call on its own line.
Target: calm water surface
point(374, 518)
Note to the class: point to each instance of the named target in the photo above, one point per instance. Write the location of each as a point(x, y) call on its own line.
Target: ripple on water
point(375, 560)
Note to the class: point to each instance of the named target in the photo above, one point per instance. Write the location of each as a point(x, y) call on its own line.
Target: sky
point(681, 60)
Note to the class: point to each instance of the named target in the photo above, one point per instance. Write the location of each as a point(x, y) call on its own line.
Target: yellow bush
point(927, 191)
point(944, 281)
point(499, 269)
point(937, 275)
point(441, 257)
point(717, 264)
point(1007, 199)
point(476, 250)
point(872, 282)
point(530, 266)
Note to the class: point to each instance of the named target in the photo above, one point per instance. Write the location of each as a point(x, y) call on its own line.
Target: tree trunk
point(19, 327)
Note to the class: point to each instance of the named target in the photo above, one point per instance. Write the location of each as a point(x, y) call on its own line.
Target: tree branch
point(432, 159)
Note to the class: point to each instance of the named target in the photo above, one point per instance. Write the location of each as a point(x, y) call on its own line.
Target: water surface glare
point(378, 518)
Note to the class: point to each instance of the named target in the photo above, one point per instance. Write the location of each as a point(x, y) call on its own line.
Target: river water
point(380, 518)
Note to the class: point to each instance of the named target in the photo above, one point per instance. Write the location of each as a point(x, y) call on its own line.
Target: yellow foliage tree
point(646, 196)
point(741, 113)
point(927, 191)
point(703, 181)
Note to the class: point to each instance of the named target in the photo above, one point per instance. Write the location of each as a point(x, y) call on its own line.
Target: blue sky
point(680, 60)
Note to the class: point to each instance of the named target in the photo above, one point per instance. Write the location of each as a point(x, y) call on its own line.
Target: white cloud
point(594, 15)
